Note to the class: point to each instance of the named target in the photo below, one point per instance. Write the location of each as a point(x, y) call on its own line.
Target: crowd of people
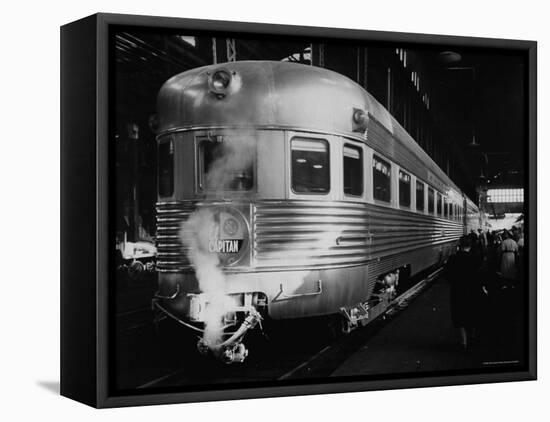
point(485, 275)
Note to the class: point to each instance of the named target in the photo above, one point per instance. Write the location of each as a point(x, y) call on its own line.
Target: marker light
point(360, 120)
point(219, 82)
point(358, 116)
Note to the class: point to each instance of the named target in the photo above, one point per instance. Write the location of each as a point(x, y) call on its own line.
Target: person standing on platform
point(514, 234)
point(462, 271)
point(475, 246)
point(521, 242)
point(482, 241)
point(508, 253)
point(497, 238)
point(473, 237)
point(490, 238)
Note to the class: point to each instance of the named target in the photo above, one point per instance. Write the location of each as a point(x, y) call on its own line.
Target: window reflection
point(353, 170)
point(419, 196)
point(310, 166)
point(404, 189)
point(381, 177)
point(430, 200)
point(227, 165)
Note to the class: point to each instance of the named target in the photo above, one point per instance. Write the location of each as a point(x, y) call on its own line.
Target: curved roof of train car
point(276, 94)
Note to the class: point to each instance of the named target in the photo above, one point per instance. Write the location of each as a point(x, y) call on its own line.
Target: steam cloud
point(234, 157)
point(195, 235)
point(228, 168)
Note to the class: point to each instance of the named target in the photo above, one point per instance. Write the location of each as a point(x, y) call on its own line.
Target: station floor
point(421, 338)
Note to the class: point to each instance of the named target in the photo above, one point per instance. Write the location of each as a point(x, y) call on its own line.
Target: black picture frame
point(86, 224)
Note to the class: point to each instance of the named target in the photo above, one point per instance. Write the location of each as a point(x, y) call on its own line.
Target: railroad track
point(324, 362)
point(291, 359)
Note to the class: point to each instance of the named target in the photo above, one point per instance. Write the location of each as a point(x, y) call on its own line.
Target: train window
point(353, 170)
point(419, 196)
point(166, 168)
point(430, 201)
point(381, 178)
point(404, 189)
point(439, 204)
point(310, 165)
point(226, 165)
point(445, 208)
point(451, 206)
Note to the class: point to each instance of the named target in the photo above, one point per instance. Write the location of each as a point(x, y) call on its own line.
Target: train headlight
point(219, 82)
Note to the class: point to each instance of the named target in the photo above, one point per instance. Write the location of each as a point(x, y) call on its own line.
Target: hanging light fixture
point(481, 175)
point(473, 143)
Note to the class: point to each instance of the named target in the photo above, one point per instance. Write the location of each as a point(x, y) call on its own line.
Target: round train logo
point(228, 235)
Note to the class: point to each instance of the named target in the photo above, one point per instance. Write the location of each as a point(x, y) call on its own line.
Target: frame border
point(101, 72)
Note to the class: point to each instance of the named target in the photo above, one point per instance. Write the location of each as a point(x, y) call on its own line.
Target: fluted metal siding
point(171, 254)
point(396, 231)
point(297, 234)
point(302, 234)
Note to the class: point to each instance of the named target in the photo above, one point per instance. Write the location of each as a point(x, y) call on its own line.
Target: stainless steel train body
point(307, 243)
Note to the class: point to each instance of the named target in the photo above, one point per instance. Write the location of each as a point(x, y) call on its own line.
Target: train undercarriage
point(249, 310)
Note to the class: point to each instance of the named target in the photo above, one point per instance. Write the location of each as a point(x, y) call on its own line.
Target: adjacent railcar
point(303, 191)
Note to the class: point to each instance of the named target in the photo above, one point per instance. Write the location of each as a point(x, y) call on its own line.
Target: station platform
point(421, 338)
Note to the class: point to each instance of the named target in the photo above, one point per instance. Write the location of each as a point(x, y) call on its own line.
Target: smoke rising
point(229, 164)
point(195, 234)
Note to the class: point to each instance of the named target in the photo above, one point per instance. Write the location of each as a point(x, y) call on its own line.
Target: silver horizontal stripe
point(310, 234)
point(302, 234)
point(171, 254)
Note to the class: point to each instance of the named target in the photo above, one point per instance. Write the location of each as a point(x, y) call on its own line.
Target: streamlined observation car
point(304, 191)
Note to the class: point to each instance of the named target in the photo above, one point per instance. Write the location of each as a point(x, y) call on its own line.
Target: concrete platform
point(422, 338)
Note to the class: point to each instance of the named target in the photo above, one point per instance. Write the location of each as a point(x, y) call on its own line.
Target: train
point(287, 191)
